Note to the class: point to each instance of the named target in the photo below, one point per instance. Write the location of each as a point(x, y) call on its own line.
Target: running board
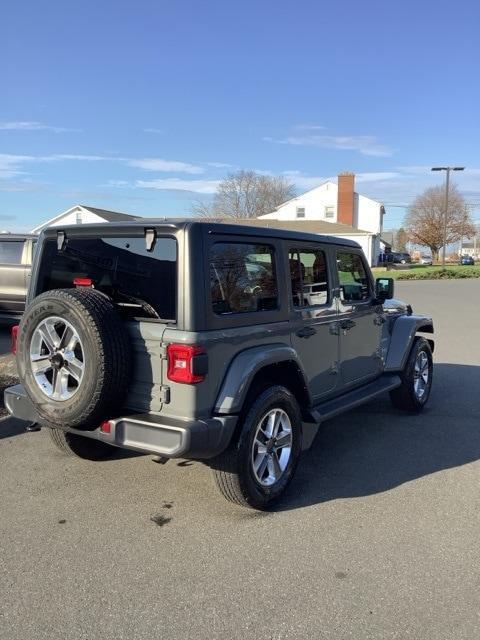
point(354, 398)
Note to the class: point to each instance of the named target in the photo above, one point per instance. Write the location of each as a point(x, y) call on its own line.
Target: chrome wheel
point(272, 447)
point(421, 375)
point(57, 358)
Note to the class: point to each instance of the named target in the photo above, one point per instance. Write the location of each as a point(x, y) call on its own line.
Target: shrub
point(437, 273)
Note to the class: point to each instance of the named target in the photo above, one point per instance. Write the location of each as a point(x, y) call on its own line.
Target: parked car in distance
point(467, 260)
point(399, 257)
point(16, 256)
point(426, 259)
point(225, 343)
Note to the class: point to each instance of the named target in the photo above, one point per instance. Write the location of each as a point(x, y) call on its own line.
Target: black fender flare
point(242, 371)
point(403, 333)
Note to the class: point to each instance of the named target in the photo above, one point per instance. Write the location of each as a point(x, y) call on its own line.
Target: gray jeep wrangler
point(218, 342)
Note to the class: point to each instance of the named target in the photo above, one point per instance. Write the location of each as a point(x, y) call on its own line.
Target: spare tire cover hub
point(57, 358)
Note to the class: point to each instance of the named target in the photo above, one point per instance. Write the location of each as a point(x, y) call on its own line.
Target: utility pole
point(465, 216)
point(445, 214)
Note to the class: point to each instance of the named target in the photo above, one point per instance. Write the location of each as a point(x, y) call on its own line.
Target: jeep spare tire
point(74, 358)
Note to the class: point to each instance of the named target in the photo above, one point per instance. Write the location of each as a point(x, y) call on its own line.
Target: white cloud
point(159, 164)
point(220, 165)
point(375, 179)
point(22, 186)
point(118, 184)
point(309, 127)
point(13, 165)
point(34, 126)
point(68, 156)
point(264, 172)
point(366, 145)
point(373, 176)
point(10, 165)
point(197, 186)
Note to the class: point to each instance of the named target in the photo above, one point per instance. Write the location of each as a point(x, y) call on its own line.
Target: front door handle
point(306, 332)
point(346, 325)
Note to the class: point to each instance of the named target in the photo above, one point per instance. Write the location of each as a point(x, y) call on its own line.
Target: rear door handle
point(306, 332)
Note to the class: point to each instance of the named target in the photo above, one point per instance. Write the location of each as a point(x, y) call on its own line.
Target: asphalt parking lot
point(378, 536)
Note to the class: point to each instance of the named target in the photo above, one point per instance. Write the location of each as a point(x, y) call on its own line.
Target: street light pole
point(445, 214)
point(447, 188)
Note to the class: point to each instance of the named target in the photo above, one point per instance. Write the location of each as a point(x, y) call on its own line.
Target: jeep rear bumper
point(148, 433)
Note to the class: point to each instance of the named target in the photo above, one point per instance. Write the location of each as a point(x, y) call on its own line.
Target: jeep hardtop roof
point(17, 236)
point(169, 225)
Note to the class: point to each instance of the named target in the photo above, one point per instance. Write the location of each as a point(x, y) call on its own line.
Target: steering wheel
point(256, 290)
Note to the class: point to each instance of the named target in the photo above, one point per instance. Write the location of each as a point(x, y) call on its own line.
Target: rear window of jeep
point(142, 283)
point(242, 278)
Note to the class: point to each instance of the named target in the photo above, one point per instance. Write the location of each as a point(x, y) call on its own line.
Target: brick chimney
point(346, 198)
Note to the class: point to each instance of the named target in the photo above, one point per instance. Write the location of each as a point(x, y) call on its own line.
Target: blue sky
point(144, 106)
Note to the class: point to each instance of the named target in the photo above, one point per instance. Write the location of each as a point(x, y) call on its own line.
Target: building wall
point(314, 203)
point(368, 243)
point(368, 214)
point(71, 218)
point(474, 252)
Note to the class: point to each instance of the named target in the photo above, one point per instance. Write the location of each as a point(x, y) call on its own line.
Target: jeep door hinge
point(165, 394)
point(163, 351)
point(335, 368)
point(334, 329)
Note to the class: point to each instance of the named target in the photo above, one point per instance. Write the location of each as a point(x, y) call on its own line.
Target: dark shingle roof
point(304, 225)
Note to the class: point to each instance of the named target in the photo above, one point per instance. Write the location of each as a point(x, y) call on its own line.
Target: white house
point(334, 202)
point(471, 249)
point(82, 214)
point(335, 209)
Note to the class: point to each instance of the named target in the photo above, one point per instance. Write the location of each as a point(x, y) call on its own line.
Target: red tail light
point(186, 363)
point(14, 335)
point(106, 427)
point(82, 282)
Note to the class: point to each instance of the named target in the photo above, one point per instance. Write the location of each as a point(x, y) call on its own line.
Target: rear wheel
point(258, 466)
point(72, 444)
point(417, 376)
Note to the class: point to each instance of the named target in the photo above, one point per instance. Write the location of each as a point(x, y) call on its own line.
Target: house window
point(300, 212)
point(78, 219)
point(329, 212)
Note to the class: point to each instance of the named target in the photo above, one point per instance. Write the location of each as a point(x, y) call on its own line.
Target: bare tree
point(400, 241)
point(425, 219)
point(246, 194)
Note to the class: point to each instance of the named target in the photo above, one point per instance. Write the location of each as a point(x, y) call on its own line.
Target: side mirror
point(384, 288)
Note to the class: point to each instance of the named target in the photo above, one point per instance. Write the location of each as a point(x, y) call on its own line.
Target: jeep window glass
point(11, 251)
point(352, 277)
point(242, 278)
point(308, 274)
point(143, 284)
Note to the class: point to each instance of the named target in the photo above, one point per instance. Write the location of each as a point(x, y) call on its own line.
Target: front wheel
point(413, 393)
point(258, 465)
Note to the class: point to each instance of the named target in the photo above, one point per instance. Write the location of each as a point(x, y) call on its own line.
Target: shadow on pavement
point(10, 427)
point(377, 448)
